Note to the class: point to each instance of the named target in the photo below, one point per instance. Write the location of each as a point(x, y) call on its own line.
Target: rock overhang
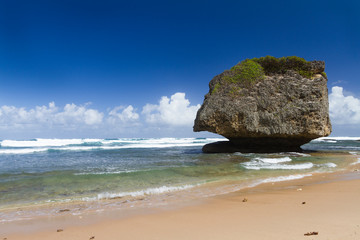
point(273, 103)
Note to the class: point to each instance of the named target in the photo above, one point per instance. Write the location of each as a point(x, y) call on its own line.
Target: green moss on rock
point(234, 91)
point(274, 65)
point(306, 74)
point(324, 75)
point(246, 72)
point(250, 71)
point(216, 88)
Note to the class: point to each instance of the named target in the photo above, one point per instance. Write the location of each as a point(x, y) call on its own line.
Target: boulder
point(266, 105)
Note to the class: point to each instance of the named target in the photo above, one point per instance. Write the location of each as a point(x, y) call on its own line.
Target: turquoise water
point(42, 171)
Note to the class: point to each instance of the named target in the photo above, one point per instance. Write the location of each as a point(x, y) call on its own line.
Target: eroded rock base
point(256, 145)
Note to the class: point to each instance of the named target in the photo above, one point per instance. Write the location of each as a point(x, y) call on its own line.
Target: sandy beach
point(326, 204)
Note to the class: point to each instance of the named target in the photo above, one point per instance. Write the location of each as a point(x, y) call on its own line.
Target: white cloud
point(13, 116)
point(73, 115)
point(175, 111)
point(127, 114)
point(74, 120)
point(42, 116)
point(343, 109)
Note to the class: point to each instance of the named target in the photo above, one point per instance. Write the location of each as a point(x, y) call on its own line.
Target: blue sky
point(123, 69)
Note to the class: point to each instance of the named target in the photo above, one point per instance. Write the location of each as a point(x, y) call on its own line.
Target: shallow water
point(43, 171)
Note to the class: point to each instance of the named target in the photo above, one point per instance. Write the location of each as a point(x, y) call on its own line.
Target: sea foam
point(148, 191)
point(22, 150)
point(273, 160)
point(334, 139)
point(329, 165)
point(40, 142)
point(285, 178)
point(298, 154)
point(357, 162)
point(259, 163)
point(43, 145)
point(257, 166)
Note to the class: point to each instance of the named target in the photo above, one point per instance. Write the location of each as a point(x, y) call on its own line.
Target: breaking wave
point(273, 160)
point(335, 139)
point(148, 191)
point(44, 145)
point(285, 178)
point(259, 166)
point(259, 163)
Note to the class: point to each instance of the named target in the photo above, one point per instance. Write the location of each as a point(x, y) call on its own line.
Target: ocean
point(44, 174)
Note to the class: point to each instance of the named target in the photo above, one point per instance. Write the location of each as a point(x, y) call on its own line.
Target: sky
point(103, 69)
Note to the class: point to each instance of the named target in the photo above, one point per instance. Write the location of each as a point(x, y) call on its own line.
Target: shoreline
point(220, 213)
point(128, 204)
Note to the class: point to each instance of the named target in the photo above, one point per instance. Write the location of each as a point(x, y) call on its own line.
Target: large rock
point(266, 105)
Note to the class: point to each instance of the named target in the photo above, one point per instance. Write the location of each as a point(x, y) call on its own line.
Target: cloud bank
point(343, 109)
point(173, 112)
point(70, 116)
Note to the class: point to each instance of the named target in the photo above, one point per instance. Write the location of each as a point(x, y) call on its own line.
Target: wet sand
point(327, 204)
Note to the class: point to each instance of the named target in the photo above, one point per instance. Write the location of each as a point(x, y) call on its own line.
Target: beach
point(215, 196)
point(327, 204)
